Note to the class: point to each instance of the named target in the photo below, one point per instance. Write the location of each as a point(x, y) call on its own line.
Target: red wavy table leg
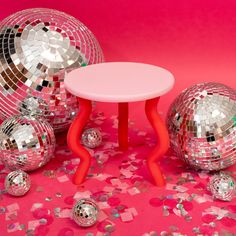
point(123, 125)
point(162, 140)
point(73, 140)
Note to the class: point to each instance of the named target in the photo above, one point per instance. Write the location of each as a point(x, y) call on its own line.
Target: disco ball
point(202, 126)
point(91, 138)
point(37, 48)
point(85, 212)
point(26, 142)
point(17, 183)
point(222, 186)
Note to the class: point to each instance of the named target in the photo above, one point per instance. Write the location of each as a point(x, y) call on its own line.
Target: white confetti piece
point(65, 213)
point(36, 206)
point(13, 207)
point(220, 213)
point(133, 191)
point(33, 224)
point(132, 210)
point(63, 178)
point(85, 194)
point(126, 216)
point(177, 212)
point(176, 188)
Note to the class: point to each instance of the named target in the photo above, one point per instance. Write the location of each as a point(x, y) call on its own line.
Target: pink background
point(193, 39)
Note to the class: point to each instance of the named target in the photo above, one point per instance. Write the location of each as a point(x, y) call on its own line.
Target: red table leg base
point(123, 125)
point(162, 141)
point(73, 140)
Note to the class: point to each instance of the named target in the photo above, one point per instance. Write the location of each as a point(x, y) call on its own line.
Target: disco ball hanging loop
point(37, 48)
point(202, 126)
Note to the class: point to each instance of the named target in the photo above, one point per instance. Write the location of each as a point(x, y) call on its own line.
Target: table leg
point(162, 140)
point(123, 125)
point(73, 140)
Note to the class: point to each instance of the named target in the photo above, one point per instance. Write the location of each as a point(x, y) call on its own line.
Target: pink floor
point(193, 39)
point(130, 204)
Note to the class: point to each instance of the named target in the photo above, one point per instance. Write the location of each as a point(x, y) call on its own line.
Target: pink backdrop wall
point(194, 39)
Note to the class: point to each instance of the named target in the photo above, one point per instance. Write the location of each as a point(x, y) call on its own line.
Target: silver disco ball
point(85, 212)
point(37, 48)
point(202, 126)
point(26, 142)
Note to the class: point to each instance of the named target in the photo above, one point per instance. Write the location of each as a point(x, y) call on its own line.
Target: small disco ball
point(26, 142)
point(37, 48)
point(33, 106)
point(85, 212)
point(92, 138)
point(222, 186)
point(17, 183)
point(202, 126)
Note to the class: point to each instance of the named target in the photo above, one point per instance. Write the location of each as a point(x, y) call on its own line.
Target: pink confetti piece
point(108, 189)
point(133, 191)
point(126, 216)
point(203, 175)
point(132, 210)
point(63, 178)
point(75, 161)
point(182, 196)
point(36, 206)
point(103, 205)
point(102, 177)
point(65, 213)
point(33, 224)
point(79, 195)
point(102, 216)
point(13, 207)
point(11, 215)
point(115, 182)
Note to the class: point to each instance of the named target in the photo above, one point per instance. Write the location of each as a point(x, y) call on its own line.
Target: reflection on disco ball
point(202, 126)
point(26, 142)
point(37, 47)
point(33, 106)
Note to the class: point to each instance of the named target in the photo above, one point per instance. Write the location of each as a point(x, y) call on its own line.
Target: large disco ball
point(26, 142)
point(202, 126)
point(37, 48)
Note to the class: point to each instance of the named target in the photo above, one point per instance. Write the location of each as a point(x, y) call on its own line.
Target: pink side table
point(120, 82)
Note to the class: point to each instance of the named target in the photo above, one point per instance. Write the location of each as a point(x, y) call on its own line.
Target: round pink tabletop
point(119, 82)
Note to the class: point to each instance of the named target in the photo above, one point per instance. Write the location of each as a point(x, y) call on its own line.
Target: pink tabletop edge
point(119, 82)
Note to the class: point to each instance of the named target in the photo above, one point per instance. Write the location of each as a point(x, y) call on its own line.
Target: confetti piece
point(103, 205)
point(85, 194)
point(102, 216)
point(132, 210)
point(33, 224)
point(65, 213)
point(36, 205)
point(13, 227)
point(63, 178)
point(13, 207)
point(126, 216)
point(133, 191)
